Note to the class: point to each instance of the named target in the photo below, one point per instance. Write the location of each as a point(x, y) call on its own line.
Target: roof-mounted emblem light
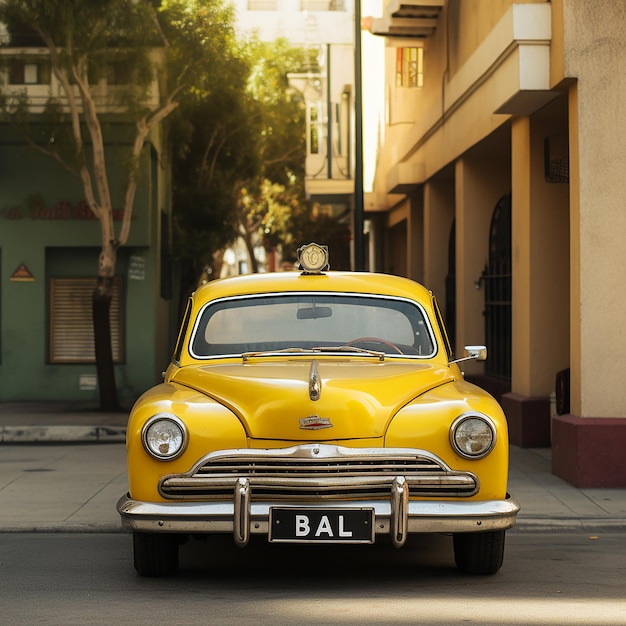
point(313, 258)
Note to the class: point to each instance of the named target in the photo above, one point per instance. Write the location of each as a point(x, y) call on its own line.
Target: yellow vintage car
point(315, 406)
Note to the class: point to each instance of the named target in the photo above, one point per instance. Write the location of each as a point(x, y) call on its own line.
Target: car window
point(183, 331)
point(442, 327)
point(278, 322)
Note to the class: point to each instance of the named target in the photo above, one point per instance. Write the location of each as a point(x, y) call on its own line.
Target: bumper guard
point(398, 516)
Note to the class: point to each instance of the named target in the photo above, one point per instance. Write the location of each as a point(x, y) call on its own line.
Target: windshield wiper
point(347, 348)
point(249, 355)
point(344, 348)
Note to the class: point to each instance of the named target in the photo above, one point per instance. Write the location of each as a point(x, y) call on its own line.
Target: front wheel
point(479, 553)
point(155, 554)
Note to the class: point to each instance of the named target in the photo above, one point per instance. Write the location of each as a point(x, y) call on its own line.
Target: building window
point(71, 322)
point(119, 73)
point(409, 67)
point(316, 128)
point(262, 5)
point(314, 137)
point(114, 73)
point(29, 73)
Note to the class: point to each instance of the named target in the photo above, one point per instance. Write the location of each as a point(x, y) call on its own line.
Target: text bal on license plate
point(321, 525)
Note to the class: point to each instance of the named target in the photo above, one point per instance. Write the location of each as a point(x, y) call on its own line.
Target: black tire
point(479, 553)
point(155, 554)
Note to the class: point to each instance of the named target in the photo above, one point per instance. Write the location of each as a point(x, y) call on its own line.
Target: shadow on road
point(217, 556)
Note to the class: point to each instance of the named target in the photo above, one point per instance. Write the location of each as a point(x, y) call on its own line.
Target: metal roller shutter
point(71, 324)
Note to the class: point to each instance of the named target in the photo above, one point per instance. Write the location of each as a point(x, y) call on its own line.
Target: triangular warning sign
point(22, 274)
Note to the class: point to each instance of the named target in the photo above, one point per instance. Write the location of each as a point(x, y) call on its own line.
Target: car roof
point(344, 282)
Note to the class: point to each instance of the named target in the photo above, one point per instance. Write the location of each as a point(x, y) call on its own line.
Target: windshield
point(304, 321)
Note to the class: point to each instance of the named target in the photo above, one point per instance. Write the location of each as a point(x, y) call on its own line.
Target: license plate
point(291, 525)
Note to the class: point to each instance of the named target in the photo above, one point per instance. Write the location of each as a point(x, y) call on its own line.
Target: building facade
point(49, 249)
point(499, 185)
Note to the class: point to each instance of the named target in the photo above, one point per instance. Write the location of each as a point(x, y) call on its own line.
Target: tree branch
point(62, 76)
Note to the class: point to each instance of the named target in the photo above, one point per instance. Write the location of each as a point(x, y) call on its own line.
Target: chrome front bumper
point(398, 516)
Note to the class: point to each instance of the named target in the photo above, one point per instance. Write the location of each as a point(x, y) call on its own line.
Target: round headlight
point(164, 437)
point(473, 436)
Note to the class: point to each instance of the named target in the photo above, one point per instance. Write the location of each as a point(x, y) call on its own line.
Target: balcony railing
point(322, 5)
point(262, 5)
point(28, 71)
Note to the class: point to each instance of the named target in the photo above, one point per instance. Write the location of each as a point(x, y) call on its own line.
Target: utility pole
point(359, 252)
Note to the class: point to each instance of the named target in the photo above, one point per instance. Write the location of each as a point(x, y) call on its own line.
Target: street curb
point(105, 528)
point(62, 434)
point(570, 525)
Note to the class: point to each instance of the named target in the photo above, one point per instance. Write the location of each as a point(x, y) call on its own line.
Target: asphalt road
point(84, 578)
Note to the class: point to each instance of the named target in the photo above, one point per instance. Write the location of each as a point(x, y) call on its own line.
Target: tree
point(267, 211)
point(163, 50)
point(211, 152)
point(272, 206)
point(311, 224)
point(239, 166)
point(268, 200)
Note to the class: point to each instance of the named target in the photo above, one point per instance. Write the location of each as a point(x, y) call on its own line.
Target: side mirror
point(478, 353)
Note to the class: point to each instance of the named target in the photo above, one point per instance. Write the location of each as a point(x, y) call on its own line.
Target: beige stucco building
point(500, 184)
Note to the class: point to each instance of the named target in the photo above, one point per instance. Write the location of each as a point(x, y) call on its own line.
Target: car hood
point(357, 399)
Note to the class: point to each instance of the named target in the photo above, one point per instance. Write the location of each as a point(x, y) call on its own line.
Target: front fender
point(210, 426)
point(425, 423)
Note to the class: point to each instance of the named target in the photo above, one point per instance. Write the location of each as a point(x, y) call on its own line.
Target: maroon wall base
point(496, 387)
point(529, 420)
point(589, 452)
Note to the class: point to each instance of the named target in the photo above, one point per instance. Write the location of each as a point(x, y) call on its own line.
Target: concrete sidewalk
point(72, 485)
point(60, 423)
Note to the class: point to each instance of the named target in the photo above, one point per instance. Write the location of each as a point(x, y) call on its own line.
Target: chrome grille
point(315, 468)
point(318, 472)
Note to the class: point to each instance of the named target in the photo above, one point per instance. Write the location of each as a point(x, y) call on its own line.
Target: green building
point(49, 248)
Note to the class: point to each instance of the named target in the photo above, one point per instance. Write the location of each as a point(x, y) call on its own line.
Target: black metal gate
point(496, 281)
point(450, 314)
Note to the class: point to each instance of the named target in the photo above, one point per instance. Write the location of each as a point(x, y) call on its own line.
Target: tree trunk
point(254, 264)
point(102, 296)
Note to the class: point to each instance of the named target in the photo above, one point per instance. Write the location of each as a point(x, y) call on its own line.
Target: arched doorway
point(450, 306)
point(496, 281)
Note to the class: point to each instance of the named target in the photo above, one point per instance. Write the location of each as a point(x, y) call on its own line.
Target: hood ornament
point(315, 384)
point(313, 422)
